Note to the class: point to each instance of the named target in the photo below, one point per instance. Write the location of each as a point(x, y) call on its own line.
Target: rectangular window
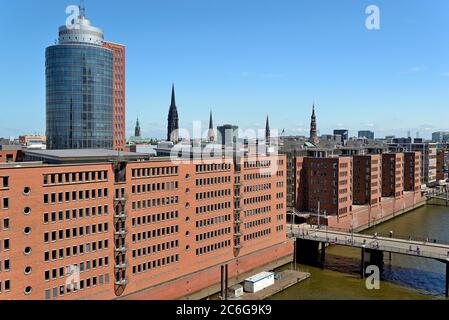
point(6, 244)
point(5, 203)
point(5, 182)
point(6, 224)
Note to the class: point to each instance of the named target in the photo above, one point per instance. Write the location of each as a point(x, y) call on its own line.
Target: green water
point(403, 278)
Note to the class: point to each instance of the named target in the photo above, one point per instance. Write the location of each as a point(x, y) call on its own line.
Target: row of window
point(259, 187)
point(257, 211)
point(155, 218)
point(213, 234)
point(75, 195)
point(142, 204)
point(213, 180)
point(75, 214)
point(213, 221)
point(258, 234)
point(154, 172)
point(162, 262)
point(62, 253)
point(155, 187)
point(213, 194)
point(140, 236)
point(213, 207)
point(156, 248)
point(75, 232)
point(256, 176)
point(213, 247)
point(82, 285)
point(213, 167)
point(62, 272)
point(257, 223)
point(257, 199)
point(257, 164)
point(74, 177)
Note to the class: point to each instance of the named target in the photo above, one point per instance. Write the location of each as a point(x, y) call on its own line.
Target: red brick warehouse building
point(135, 228)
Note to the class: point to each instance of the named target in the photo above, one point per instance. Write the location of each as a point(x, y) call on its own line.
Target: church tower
point(267, 133)
point(313, 128)
point(211, 133)
point(137, 129)
point(173, 120)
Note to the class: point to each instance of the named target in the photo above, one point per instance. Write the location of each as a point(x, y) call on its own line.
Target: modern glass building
point(79, 89)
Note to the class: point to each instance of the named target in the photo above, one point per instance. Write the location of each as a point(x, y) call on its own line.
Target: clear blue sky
point(248, 58)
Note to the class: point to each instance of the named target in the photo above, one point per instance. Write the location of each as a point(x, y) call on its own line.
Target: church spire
point(173, 120)
point(137, 129)
point(313, 128)
point(267, 132)
point(211, 133)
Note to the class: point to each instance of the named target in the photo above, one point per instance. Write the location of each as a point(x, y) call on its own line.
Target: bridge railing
point(423, 239)
point(374, 245)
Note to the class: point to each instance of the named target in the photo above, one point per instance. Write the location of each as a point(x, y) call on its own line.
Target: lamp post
point(352, 227)
point(319, 224)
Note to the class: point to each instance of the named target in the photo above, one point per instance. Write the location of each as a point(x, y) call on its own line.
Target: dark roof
point(82, 155)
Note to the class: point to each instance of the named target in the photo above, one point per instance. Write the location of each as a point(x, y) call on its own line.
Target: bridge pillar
point(307, 251)
point(323, 254)
point(376, 257)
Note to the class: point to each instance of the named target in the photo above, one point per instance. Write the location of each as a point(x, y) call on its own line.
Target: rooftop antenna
point(82, 9)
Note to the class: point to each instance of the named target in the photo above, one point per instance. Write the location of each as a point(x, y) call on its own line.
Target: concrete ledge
point(216, 288)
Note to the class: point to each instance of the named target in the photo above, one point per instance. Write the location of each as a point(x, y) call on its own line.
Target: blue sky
point(245, 59)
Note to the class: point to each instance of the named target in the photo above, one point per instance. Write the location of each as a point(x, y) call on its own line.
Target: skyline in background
point(247, 60)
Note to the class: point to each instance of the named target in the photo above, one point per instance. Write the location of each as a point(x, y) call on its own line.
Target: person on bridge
point(417, 250)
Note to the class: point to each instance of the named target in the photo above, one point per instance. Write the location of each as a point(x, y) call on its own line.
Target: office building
point(119, 96)
point(85, 89)
point(365, 134)
point(228, 135)
point(343, 133)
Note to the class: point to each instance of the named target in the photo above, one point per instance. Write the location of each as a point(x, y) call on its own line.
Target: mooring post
point(226, 281)
point(222, 269)
point(362, 264)
point(447, 279)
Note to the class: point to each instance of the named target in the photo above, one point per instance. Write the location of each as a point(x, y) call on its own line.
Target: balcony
point(120, 198)
point(121, 215)
point(238, 222)
point(121, 249)
point(239, 246)
point(121, 232)
point(121, 282)
point(121, 265)
point(237, 210)
point(237, 234)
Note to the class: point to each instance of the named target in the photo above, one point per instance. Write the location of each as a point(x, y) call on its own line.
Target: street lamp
point(319, 224)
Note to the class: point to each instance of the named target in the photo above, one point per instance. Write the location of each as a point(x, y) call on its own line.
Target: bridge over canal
point(309, 238)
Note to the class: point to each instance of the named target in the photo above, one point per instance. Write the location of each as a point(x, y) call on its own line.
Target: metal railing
point(374, 244)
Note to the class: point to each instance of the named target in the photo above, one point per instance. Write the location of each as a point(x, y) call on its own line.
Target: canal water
point(403, 277)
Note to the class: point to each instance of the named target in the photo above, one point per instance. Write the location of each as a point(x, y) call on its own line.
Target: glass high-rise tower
point(79, 86)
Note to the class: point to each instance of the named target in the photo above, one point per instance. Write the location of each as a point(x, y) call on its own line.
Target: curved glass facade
point(79, 80)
